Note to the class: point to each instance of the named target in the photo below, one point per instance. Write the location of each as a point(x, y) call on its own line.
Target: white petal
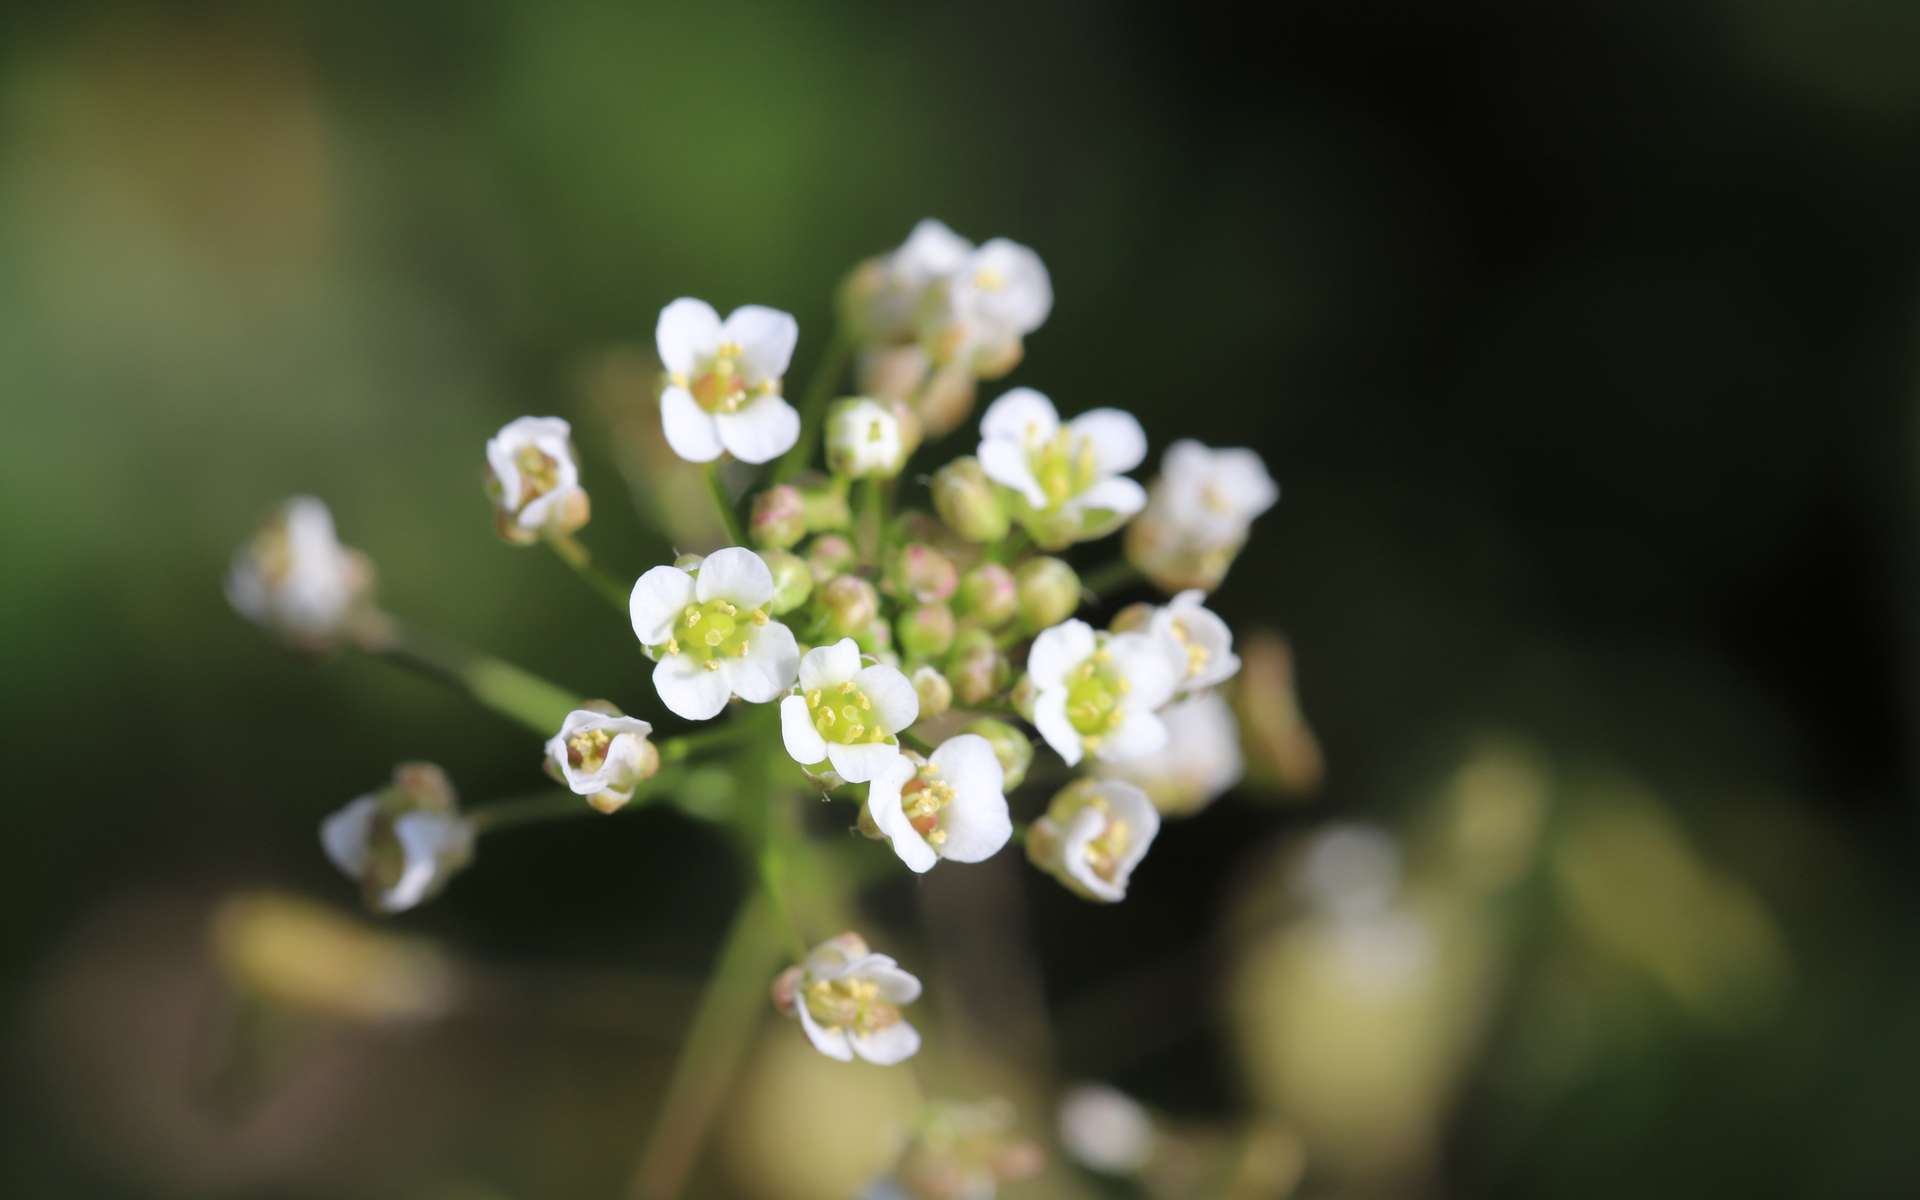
point(1005, 462)
point(930, 251)
point(968, 763)
point(1128, 803)
point(1119, 497)
point(830, 1042)
point(1119, 444)
point(736, 574)
point(829, 666)
point(883, 805)
point(976, 822)
point(344, 835)
point(1050, 718)
point(885, 1047)
point(804, 743)
point(896, 986)
point(425, 838)
point(688, 330)
point(767, 668)
point(1140, 735)
point(858, 764)
point(1025, 295)
point(1059, 650)
point(1086, 825)
point(688, 689)
point(658, 599)
point(1022, 415)
point(690, 429)
point(1241, 479)
point(760, 432)
point(766, 337)
point(895, 704)
point(1142, 659)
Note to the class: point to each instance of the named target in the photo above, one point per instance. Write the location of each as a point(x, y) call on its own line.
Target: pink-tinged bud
point(847, 604)
point(1049, 593)
point(924, 574)
point(969, 502)
point(1010, 746)
point(829, 554)
point(786, 985)
point(936, 694)
point(988, 596)
point(792, 580)
point(976, 668)
point(779, 518)
point(926, 631)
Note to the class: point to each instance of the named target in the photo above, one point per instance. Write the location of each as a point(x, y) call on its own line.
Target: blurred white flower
point(1349, 871)
point(1095, 832)
point(1198, 514)
point(889, 292)
point(950, 806)
point(402, 843)
point(602, 756)
point(1198, 642)
point(710, 636)
point(1105, 1129)
point(723, 381)
point(848, 1001)
point(533, 476)
point(295, 578)
point(864, 439)
point(847, 714)
point(1069, 480)
point(1200, 762)
point(1099, 693)
point(998, 295)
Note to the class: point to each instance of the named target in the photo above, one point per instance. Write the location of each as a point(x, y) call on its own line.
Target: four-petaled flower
point(1068, 481)
point(950, 805)
point(1198, 514)
point(723, 381)
point(847, 714)
point(533, 475)
point(402, 843)
point(848, 1001)
point(294, 576)
point(602, 756)
point(1098, 693)
point(1094, 834)
point(710, 636)
point(1197, 641)
point(997, 295)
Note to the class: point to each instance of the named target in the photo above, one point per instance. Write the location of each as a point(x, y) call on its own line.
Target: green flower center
point(850, 1003)
point(713, 631)
point(720, 386)
point(1096, 695)
point(1064, 465)
point(539, 473)
point(844, 714)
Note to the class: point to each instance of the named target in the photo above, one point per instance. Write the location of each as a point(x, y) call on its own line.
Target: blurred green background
point(1580, 338)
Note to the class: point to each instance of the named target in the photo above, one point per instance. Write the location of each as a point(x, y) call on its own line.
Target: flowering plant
point(856, 639)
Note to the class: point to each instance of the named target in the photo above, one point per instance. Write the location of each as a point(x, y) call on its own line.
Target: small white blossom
point(723, 381)
point(847, 714)
point(864, 439)
point(953, 805)
point(1196, 640)
point(1105, 1129)
point(1198, 514)
point(997, 296)
point(1094, 834)
point(602, 757)
point(709, 634)
point(1099, 692)
point(1200, 762)
point(891, 290)
point(1069, 480)
point(848, 1000)
point(295, 578)
point(533, 475)
point(403, 843)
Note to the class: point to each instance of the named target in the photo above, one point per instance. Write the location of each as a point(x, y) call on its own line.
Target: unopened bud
point(947, 399)
point(926, 631)
point(1010, 746)
point(825, 501)
point(1049, 593)
point(786, 985)
point(976, 668)
point(913, 430)
point(936, 694)
point(1134, 618)
point(969, 502)
point(792, 580)
point(892, 372)
point(689, 562)
point(848, 604)
point(1023, 696)
point(924, 574)
point(864, 439)
point(988, 596)
point(830, 554)
point(876, 641)
point(779, 518)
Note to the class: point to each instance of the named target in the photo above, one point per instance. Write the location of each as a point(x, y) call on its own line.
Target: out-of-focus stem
point(560, 805)
point(1115, 575)
point(729, 515)
point(516, 694)
point(873, 522)
point(577, 556)
point(678, 749)
point(813, 405)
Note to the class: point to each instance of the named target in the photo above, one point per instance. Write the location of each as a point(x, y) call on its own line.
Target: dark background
point(1580, 338)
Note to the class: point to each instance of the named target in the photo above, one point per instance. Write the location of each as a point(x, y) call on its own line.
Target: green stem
point(873, 522)
point(916, 741)
point(678, 749)
point(575, 555)
point(1009, 547)
point(560, 805)
point(813, 405)
point(516, 694)
point(729, 515)
point(1116, 575)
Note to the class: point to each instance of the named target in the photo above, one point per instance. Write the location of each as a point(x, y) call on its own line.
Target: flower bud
point(969, 502)
point(876, 641)
point(1010, 746)
point(830, 554)
point(1049, 593)
point(825, 502)
point(779, 518)
point(913, 430)
point(988, 596)
point(1134, 618)
point(926, 631)
point(847, 604)
point(792, 580)
point(947, 400)
point(533, 478)
point(689, 562)
point(891, 372)
point(295, 578)
point(1023, 696)
point(924, 574)
point(785, 985)
point(864, 439)
point(403, 842)
point(976, 668)
point(936, 695)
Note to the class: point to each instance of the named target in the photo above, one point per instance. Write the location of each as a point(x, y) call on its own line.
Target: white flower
point(710, 635)
point(402, 843)
point(533, 476)
point(997, 296)
point(1099, 692)
point(864, 439)
point(1069, 479)
point(1198, 514)
point(295, 577)
point(723, 381)
point(1105, 1129)
point(1196, 640)
point(1200, 762)
point(602, 757)
point(848, 1000)
point(1095, 833)
point(847, 714)
point(890, 291)
point(950, 806)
